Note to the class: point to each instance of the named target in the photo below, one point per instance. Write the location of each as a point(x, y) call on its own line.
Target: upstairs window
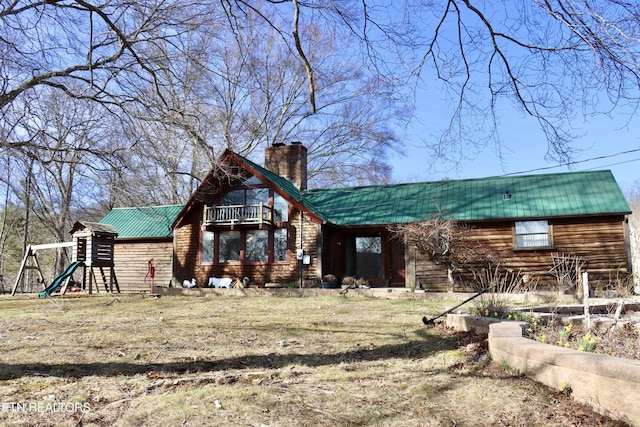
point(280, 208)
point(248, 196)
point(533, 234)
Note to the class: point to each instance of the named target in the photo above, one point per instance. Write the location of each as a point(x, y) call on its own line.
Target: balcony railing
point(239, 214)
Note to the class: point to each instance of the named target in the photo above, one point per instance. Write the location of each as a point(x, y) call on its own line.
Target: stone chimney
point(288, 161)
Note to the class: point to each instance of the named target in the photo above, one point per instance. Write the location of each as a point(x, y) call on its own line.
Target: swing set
point(93, 248)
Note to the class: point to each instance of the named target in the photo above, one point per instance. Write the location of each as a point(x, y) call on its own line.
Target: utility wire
point(393, 187)
point(635, 150)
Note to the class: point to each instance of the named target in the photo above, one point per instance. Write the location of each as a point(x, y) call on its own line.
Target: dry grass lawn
point(262, 361)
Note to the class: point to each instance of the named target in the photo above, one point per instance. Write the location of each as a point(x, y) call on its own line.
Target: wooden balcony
point(238, 215)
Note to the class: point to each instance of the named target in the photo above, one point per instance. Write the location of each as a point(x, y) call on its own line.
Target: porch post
point(410, 266)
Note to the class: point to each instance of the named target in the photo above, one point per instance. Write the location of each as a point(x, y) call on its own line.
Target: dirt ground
point(129, 360)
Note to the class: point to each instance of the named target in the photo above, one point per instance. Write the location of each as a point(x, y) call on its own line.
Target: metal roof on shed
point(532, 196)
point(152, 221)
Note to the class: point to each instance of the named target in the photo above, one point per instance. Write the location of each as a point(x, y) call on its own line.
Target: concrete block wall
point(611, 385)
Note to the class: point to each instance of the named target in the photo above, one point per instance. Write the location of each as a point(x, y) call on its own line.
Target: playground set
point(93, 248)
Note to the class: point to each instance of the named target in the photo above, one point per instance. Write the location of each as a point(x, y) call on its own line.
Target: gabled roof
point(94, 227)
point(285, 187)
point(145, 222)
point(280, 184)
point(531, 196)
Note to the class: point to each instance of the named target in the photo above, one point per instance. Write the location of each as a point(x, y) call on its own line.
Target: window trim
point(243, 248)
point(549, 234)
point(280, 224)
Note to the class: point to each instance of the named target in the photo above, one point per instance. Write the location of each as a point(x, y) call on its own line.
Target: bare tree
point(66, 145)
point(86, 50)
point(282, 69)
point(553, 60)
point(244, 91)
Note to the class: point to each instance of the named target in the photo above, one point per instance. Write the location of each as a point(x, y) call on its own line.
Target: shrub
point(496, 302)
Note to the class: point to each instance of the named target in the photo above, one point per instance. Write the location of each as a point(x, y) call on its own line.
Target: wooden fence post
point(585, 287)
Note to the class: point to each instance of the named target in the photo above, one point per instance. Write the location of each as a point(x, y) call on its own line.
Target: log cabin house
point(263, 223)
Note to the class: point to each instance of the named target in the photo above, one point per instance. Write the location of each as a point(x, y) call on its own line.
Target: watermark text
point(59, 407)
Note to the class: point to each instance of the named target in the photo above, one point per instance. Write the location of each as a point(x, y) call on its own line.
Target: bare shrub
point(620, 284)
point(500, 283)
point(444, 241)
point(566, 269)
point(447, 242)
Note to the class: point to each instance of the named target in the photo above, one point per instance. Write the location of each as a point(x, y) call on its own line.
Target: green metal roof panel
point(153, 221)
point(562, 194)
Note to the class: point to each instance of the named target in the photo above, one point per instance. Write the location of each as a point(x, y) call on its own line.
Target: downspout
point(301, 261)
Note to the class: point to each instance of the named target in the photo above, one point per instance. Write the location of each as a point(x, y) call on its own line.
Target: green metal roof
point(531, 196)
point(152, 221)
point(549, 195)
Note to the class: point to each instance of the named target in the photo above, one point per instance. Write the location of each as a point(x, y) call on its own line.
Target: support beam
point(52, 245)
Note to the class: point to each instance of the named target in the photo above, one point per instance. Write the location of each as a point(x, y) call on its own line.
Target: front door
point(368, 257)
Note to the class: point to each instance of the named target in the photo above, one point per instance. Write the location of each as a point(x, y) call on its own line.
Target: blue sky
point(523, 143)
point(524, 149)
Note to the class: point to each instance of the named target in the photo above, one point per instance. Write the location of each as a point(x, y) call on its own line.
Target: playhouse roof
point(143, 222)
point(94, 227)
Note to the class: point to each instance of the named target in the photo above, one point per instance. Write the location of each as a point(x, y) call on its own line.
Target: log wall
point(131, 264)
point(601, 241)
point(187, 263)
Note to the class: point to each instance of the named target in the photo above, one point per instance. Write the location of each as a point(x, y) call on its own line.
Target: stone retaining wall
point(611, 385)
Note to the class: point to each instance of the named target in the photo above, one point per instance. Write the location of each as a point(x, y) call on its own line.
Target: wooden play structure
point(93, 247)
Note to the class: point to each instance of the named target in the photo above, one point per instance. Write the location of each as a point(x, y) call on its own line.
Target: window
point(207, 247)
point(255, 196)
point(257, 244)
point(280, 245)
point(229, 242)
point(232, 198)
point(533, 234)
point(369, 257)
point(249, 196)
point(247, 246)
point(280, 208)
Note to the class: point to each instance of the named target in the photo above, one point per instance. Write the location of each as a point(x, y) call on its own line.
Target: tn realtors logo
point(68, 407)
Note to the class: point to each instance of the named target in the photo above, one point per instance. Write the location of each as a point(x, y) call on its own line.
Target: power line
point(606, 156)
